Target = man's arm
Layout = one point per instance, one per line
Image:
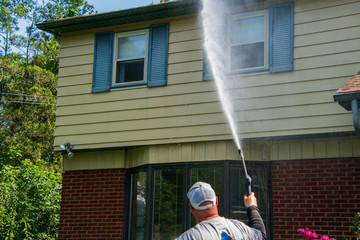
(255, 220)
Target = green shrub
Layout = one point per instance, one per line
(29, 200)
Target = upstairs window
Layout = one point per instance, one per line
(131, 58)
(248, 45)
(259, 41)
(130, 62)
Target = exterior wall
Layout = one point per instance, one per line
(183, 122)
(93, 205)
(187, 109)
(254, 150)
(321, 194)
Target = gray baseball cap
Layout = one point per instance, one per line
(201, 192)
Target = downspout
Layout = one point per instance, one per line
(355, 110)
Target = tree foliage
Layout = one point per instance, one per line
(28, 77)
(29, 199)
(27, 118)
(30, 170)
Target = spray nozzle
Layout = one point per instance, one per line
(247, 177)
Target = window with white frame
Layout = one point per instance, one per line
(248, 42)
(259, 41)
(130, 58)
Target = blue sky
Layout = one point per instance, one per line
(113, 5)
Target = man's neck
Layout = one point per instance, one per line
(208, 217)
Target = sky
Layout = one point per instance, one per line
(113, 5)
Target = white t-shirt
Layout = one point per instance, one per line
(220, 228)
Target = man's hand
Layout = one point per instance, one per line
(250, 200)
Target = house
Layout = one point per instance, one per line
(138, 105)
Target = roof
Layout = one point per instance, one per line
(131, 15)
(350, 91)
(353, 85)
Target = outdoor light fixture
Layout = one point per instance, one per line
(67, 147)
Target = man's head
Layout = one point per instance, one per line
(201, 196)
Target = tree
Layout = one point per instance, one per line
(28, 79)
(27, 118)
(10, 13)
(30, 170)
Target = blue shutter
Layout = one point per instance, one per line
(281, 42)
(158, 55)
(103, 57)
(207, 73)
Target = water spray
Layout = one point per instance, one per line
(213, 12)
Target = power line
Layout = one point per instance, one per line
(27, 99)
(26, 95)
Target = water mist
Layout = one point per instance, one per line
(214, 15)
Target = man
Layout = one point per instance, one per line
(203, 206)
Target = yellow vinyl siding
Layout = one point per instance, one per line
(326, 55)
(264, 150)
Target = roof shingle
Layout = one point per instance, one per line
(353, 85)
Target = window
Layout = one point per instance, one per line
(131, 58)
(138, 205)
(259, 41)
(160, 210)
(168, 203)
(248, 42)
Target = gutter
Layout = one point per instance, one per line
(350, 101)
(125, 16)
(355, 110)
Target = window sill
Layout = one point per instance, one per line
(133, 85)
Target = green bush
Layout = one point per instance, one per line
(355, 227)
(29, 199)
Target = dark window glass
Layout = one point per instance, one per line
(138, 206)
(168, 204)
(132, 71)
(259, 182)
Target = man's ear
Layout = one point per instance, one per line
(217, 202)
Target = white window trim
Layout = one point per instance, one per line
(115, 60)
(264, 13)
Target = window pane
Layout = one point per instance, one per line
(259, 183)
(168, 203)
(213, 176)
(131, 46)
(247, 56)
(130, 71)
(248, 30)
(138, 206)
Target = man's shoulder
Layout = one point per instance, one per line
(190, 234)
(198, 231)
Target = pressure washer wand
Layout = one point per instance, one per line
(247, 177)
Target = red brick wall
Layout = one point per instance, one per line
(323, 195)
(93, 205)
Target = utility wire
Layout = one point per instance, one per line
(27, 99)
(25, 95)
